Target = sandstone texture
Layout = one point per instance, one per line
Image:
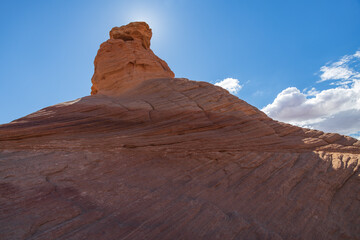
(170, 158)
(126, 60)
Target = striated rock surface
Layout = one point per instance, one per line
(170, 158)
(126, 60)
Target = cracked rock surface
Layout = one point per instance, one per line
(170, 158)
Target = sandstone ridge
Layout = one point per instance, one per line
(126, 59)
(150, 156)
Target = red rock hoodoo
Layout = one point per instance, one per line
(126, 59)
(149, 156)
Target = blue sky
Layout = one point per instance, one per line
(48, 47)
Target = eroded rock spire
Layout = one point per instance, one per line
(125, 60)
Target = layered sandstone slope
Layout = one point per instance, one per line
(148, 156)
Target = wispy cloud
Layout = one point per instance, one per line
(231, 84)
(336, 109)
(344, 70)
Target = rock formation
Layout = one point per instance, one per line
(126, 60)
(149, 156)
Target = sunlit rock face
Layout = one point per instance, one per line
(148, 157)
(126, 60)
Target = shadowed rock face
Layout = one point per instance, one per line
(132, 31)
(171, 158)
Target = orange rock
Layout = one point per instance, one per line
(132, 31)
(125, 60)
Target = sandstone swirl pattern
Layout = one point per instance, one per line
(149, 156)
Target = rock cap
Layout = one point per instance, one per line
(134, 30)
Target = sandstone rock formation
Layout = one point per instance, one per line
(170, 158)
(126, 59)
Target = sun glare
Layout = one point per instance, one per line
(151, 17)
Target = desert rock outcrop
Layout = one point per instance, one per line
(150, 156)
(126, 59)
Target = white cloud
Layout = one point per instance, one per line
(311, 92)
(231, 84)
(335, 72)
(332, 110)
(342, 70)
(357, 54)
(344, 122)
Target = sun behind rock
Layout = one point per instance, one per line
(125, 60)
